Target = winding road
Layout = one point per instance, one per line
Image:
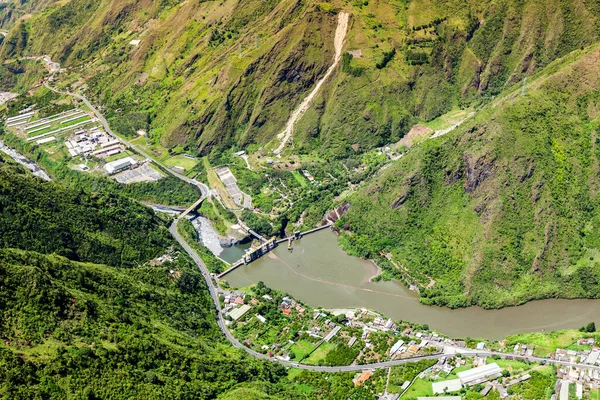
(214, 292)
(204, 190)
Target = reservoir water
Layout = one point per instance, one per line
(320, 273)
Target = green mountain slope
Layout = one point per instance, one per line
(123, 329)
(220, 74)
(49, 218)
(503, 210)
(74, 330)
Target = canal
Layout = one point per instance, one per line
(321, 274)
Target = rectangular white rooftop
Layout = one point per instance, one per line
(239, 312)
(564, 390)
(593, 357)
(479, 374)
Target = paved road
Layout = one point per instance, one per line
(215, 295)
(203, 188)
(347, 368)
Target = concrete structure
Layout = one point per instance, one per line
(592, 358)
(450, 386)
(480, 374)
(119, 165)
(396, 347)
(239, 312)
(259, 251)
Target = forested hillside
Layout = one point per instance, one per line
(122, 326)
(504, 209)
(101, 228)
(217, 74)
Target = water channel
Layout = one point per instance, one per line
(320, 273)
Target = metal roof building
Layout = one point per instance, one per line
(593, 357)
(118, 165)
(239, 312)
(480, 374)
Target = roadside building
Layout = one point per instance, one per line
(239, 312)
(396, 347)
(480, 374)
(593, 358)
(363, 377)
(119, 165)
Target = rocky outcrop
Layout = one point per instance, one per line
(477, 171)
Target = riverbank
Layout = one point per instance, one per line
(319, 273)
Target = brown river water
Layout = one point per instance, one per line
(321, 274)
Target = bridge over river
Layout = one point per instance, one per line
(266, 246)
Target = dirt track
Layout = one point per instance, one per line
(340, 35)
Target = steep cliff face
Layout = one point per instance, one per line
(506, 208)
(217, 73)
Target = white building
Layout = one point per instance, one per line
(593, 358)
(119, 165)
(480, 374)
(564, 390)
(239, 312)
(396, 347)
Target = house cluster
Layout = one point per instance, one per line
(523, 350)
(288, 304)
(235, 306)
(581, 379)
(92, 142)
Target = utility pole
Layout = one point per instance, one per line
(524, 86)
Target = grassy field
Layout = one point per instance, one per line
(420, 388)
(122, 154)
(320, 353)
(181, 161)
(546, 343)
(302, 348)
(300, 178)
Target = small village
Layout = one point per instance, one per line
(281, 327)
